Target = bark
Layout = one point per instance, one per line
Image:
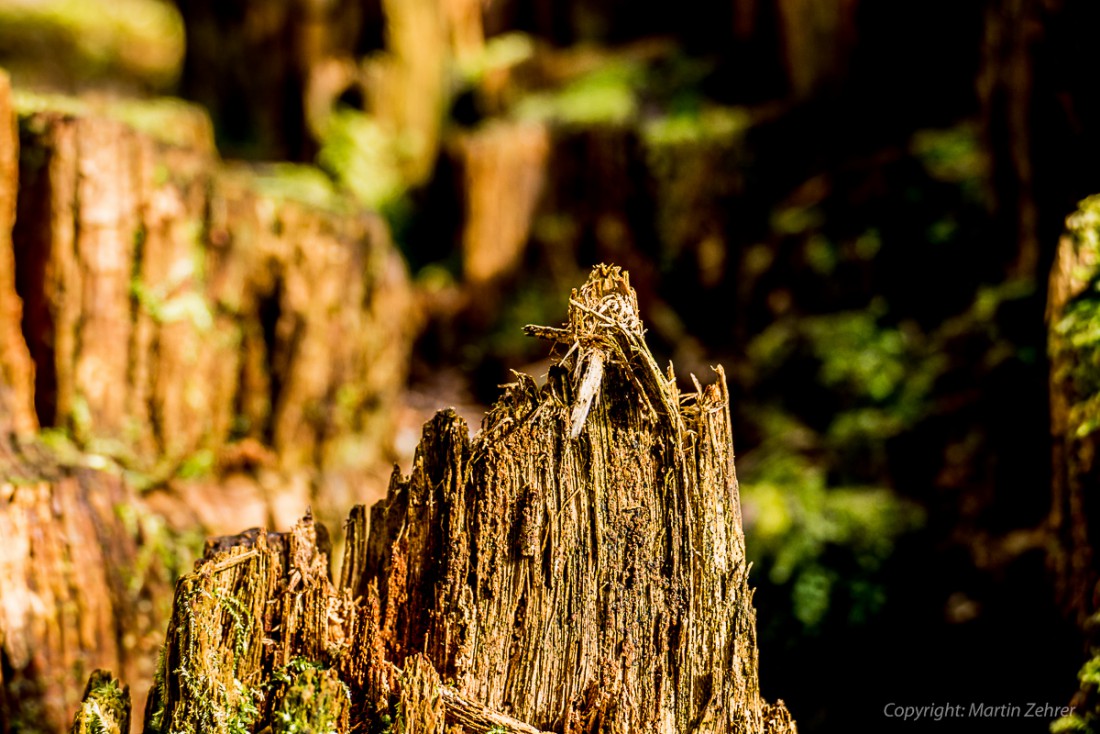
(1005, 86)
(16, 368)
(577, 566)
(81, 584)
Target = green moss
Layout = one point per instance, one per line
(307, 699)
(1084, 226)
(307, 185)
(212, 695)
(105, 708)
(500, 52)
(78, 41)
(1086, 717)
(189, 305)
(607, 95)
(711, 125)
(165, 119)
(198, 465)
(59, 443)
(1079, 348)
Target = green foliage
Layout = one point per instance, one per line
(500, 52)
(857, 357)
(816, 539)
(308, 699)
(1079, 333)
(880, 375)
(821, 518)
(711, 125)
(955, 155)
(364, 158)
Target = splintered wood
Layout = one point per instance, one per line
(556, 572)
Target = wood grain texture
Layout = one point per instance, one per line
(588, 584)
(519, 581)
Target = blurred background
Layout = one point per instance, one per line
(852, 205)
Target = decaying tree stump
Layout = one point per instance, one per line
(577, 566)
(190, 319)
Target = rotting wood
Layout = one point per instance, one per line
(634, 613)
(522, 580)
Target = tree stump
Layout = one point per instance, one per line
(198, 341)
(191, 319)
(577, 566)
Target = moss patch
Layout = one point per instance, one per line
(87, 40)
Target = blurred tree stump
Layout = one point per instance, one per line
(217, 345)
(194, 320)
(577, 566)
